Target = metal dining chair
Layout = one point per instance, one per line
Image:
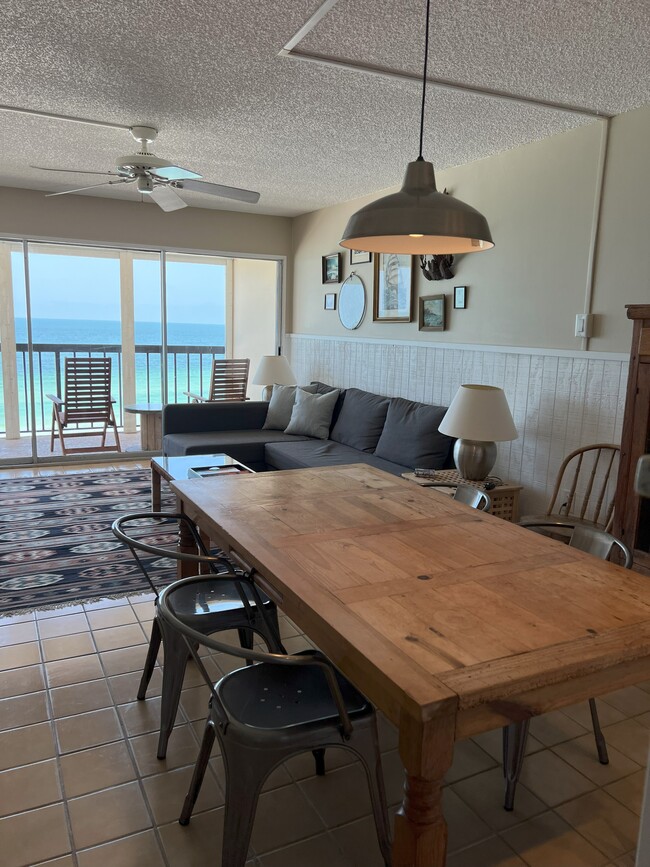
(473, 497)
(228, 600)
(599, 544)
(268, 712)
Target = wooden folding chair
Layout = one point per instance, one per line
(87, 400)
(228, 380)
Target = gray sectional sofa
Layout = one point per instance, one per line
(392, 434)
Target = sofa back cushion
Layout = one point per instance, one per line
(281, 404)
(312, 414)
(361, 420)
(411, 437)
(324, 388)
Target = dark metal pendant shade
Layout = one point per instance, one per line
(418, 220)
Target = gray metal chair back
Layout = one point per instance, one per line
(267, 712)
(229, 600)
(473, 497)
(600, 544)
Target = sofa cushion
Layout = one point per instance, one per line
(410, 435)
(324, 388)
(312, 414)
(322, 453)
(246, 446)
(280, 407)
(361, 420)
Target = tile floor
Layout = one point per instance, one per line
(80, 785)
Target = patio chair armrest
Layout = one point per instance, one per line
(55, 399)
(195, 396)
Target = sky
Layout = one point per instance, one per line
(79, 287)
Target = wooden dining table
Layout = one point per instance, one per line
(452, 621)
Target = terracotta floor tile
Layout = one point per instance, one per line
(630, 738)
(320, 851)
(140, 717)
(182, 750)
(484, 794)
(67, 646)
(18, 633)
(55, 627)
(553, 780)
(548, 840)
(46, 613)
(197, 844)
(607, 824)
(492, 852)
(88, 730)
(358, 842)
(119, 636)
(469, 759)
(581, 754)
(326, 795)
(492, 743)
(28, 787)
(124, 687)
(140, 850)
(96, 768)
(194, 702)
(465, 827)
(302, 766)
(80, 698)
(284, 816)
(31, 837)
(107, 815)
(76, 670)
(28, 744)
(103, 618)
(278, 778)
(554, 728)
(631, 701)
(629, 791)
(23, 710)
(19, 655)
(166, 794)
(105, 603)
(607, 714)
(144, 611)
(20, 617)
(20, 681)
(124, 660)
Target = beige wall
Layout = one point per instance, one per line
(109, 221)
(254, 306)
(539, 200)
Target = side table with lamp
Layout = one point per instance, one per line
(273, 370)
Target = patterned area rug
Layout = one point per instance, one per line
(56, 544)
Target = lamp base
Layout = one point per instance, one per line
(267, 391)
(474, 459)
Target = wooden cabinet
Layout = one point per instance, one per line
(632, 513)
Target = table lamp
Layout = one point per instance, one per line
(273, 370)
(480, 417)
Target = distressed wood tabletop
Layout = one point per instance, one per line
(450, 620)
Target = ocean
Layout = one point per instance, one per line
(184, 373)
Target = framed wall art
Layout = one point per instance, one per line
(432, 313)
(330, 301)
(393, 288)
(331, 268)
(460, 297)
(359, 257)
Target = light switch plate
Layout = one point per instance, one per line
(642, 478)
(584, 324)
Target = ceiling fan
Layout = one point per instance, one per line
(155, 177)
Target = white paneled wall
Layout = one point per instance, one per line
(559, 401)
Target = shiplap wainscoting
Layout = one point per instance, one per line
(559, 400)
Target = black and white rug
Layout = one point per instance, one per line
(56, 544)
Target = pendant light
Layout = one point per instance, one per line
(418, 220)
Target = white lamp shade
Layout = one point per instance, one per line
(274, 370)
(480, 413)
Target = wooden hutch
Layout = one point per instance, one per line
(632, 513)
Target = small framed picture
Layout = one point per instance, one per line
(332, 268)
(460, 297)
(359, 257)
(432, 313)
(393, 288)
(330, 301)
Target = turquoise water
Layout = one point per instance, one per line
(93, 335)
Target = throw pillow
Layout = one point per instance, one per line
(278, 414)
(361, 420)
(312, 414)
(410, 436)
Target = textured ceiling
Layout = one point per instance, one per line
(209, 77)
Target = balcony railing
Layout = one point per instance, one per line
(188, 369)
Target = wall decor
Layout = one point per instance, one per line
(460, 297)
(393, 288)
(331, 267)
(359, 257)
(352, 302)
(330, 301)
(437, 267)
(432, 313)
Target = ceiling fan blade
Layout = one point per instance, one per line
(70, 171)
(91, 187)
(175, 173)
(167, 199)
(219, 190)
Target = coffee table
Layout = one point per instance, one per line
(175, 469)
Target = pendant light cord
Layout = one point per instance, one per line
(424, 77)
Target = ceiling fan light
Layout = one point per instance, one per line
(418, 220)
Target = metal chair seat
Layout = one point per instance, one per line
(268, 696)
(218, 601)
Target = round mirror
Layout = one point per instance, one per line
(352, 302)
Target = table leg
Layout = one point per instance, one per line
(156, 479)
(186, 545)
(426, 749)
